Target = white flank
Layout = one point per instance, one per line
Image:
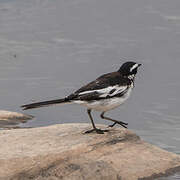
(106, 104)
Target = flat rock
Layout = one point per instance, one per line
(9, 118)
(65, 152)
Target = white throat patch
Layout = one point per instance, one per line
(134, 67)
(131, 77)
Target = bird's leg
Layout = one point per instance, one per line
(98, 131)
(112, 125)
(115, 121)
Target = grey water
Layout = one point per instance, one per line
(48, 49)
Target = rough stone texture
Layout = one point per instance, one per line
(9, 118)
(64, 152)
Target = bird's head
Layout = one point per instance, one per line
(129, 69)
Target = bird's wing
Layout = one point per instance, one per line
(106, 86)
(104, 93)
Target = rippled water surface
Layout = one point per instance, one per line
(48, 49)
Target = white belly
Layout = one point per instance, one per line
(105, 104)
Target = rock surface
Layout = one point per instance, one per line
(64, 152)
(9, 118)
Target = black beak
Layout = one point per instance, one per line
(139, 65)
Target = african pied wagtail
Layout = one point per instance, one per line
(105, 93)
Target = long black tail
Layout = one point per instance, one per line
(44, 103)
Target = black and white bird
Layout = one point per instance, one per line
(103, 94)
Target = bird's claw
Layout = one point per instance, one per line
(112, 125)
(123, 124)
(98, 131)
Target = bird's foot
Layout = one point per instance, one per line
(112, 125)
(98, 131)
(123, 124)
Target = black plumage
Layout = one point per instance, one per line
(105, 93)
